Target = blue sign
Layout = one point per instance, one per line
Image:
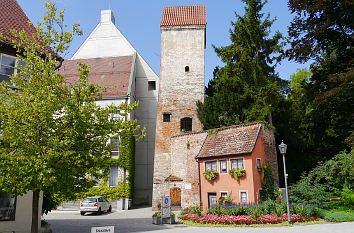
(166, 200)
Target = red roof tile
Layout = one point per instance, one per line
(112, 73)
(239, 139)
(13, 17)
(183, 15)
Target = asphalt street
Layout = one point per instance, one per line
(139, 220)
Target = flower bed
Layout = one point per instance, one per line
(244, 219)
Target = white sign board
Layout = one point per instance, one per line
(166, 207)
(109, 229)
(188, 186)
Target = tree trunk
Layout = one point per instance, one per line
(35, 203)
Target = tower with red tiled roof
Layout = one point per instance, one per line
(183, 32)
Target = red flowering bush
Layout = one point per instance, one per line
(244, 219)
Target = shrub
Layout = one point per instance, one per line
(338, 216)
(158, 214)
(337, 173)
(305, 191)
(191, 210)
(111, 193)
(346, 201)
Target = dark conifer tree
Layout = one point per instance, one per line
(247, 88)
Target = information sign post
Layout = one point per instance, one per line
(165, 208)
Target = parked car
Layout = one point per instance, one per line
(96, 205)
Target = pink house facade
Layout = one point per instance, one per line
(237, 147)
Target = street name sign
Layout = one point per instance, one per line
(108, 229)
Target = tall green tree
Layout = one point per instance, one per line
(322, 31)
(53, 135)
(247, 88)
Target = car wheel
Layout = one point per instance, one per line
(99, 211)
(82, 212)
(109, 209)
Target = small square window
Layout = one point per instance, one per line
(167, 117)
(223, 194)
(243, 197)
(259, 163)
(151, 85)
(186, 69)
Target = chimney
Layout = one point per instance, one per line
(107, 16)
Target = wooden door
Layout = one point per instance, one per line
(175, 194)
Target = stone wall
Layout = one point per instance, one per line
(183, 165)
(179, 90)
(271, 152)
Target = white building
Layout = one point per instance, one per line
(117, 65)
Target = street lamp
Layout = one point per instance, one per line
(282, 149)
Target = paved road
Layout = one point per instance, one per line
(139, 220)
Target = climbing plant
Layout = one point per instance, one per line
(127, 160)
(267, 182)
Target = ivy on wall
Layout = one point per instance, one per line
(268, 187)
(127, 160)
(123, 189)
(111, 193)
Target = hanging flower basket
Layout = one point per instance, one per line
(236, 173)
(211, 175)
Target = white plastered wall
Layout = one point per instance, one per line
(23, 215)
(107, 41)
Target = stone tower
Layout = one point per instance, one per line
(183, 32)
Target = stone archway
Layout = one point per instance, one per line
(175, 194)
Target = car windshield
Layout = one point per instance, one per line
(90, 200)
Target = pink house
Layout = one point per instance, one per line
(243, 147)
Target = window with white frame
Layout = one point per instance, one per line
(115, 147)
(7, 207)
(223, 194)
(223, 166)
(7, 67)
(210, 166)
(237, 164)
(243, 197)
(259, 163)
(113, 176)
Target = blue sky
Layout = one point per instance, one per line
(139, 21)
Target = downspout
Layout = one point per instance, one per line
(200, 188)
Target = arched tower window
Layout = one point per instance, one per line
(186, 124)
(186, 69)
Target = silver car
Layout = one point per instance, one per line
(96, 205)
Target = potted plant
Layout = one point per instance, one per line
(211, 175)
(236, 173)
(156, 218)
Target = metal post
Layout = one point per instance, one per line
(286, 189)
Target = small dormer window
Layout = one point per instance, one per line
(186, 69)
